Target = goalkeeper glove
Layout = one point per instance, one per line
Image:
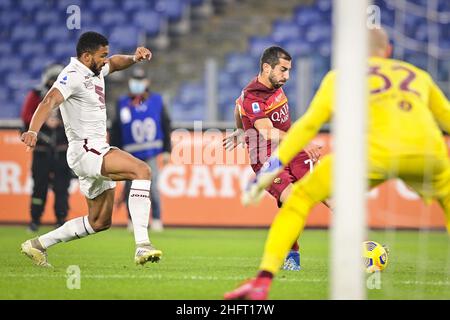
(255, 189)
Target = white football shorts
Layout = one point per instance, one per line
(85, 158)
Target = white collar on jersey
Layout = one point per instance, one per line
(82, 66)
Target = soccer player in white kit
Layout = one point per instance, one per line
(79, 92)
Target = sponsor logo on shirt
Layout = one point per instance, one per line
(281, 115)
(255, 107)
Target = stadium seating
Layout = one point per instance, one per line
(33, 34)
(308, 35)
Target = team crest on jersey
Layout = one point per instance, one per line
(89, 84)
(255, 107)
(277, 180)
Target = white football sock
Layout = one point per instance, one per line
(139, 204)
(73, 229)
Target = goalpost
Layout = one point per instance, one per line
(348, 227)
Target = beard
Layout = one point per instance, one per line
(276, 84)
(95, 69)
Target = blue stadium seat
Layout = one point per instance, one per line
(24, 32)
(98, 6)
(227, 95)
(307, 16)
(422, 3)
(323, 6)
(52, 35)
(318, 33)
(226, 79)
(18, 96)
(38, 63)
(187, 112)
(125, 38)
(149, 20)
(298, 48)
(387, 17)
(93, 27)
(32, 5)
(9, 18)
(9, 110)
(4, 94)
(12, 64)
(19, 80)
(109, 18)
(421, 32)
(196, 2)
(64, 4)
(172, 9)
(28, 49)
(6, 4)
(258, 44)
(419, 59)
(136, 5)
(285, 30)
(5, 49)
(239, 62)
(62, 51)
(444, 6)
(192, 93)
(44, 18)
(444, 35)
(443, 70)
(226, 108)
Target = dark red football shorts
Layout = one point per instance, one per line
(291, 173)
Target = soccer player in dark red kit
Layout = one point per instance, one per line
(262, 113)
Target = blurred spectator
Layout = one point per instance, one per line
(142, 127)
(49, 165)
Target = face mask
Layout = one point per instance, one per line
(137, 86)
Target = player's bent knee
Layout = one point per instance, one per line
(143, 171)
(101, 225)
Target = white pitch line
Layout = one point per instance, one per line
(201, 278)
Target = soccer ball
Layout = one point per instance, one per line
(375, 256)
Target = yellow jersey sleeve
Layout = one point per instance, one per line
(439, 106)
(306, 128)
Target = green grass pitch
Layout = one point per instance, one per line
(204, 263)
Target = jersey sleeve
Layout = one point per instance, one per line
(67, 84)
(253, 109)
(439, 106)
(105, 69)
(306, 128)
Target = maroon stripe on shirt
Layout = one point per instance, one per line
(91, 149)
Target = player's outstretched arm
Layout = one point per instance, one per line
(254, 192)
(52, 100)
(237, 137)
(439, 106)
(120, 62)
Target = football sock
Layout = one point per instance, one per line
(285, 229)
(291, 219)
(73, 229)
(139, 205)
(265, 274)
(295, 246)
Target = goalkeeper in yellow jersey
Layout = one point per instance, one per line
(407, 111)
